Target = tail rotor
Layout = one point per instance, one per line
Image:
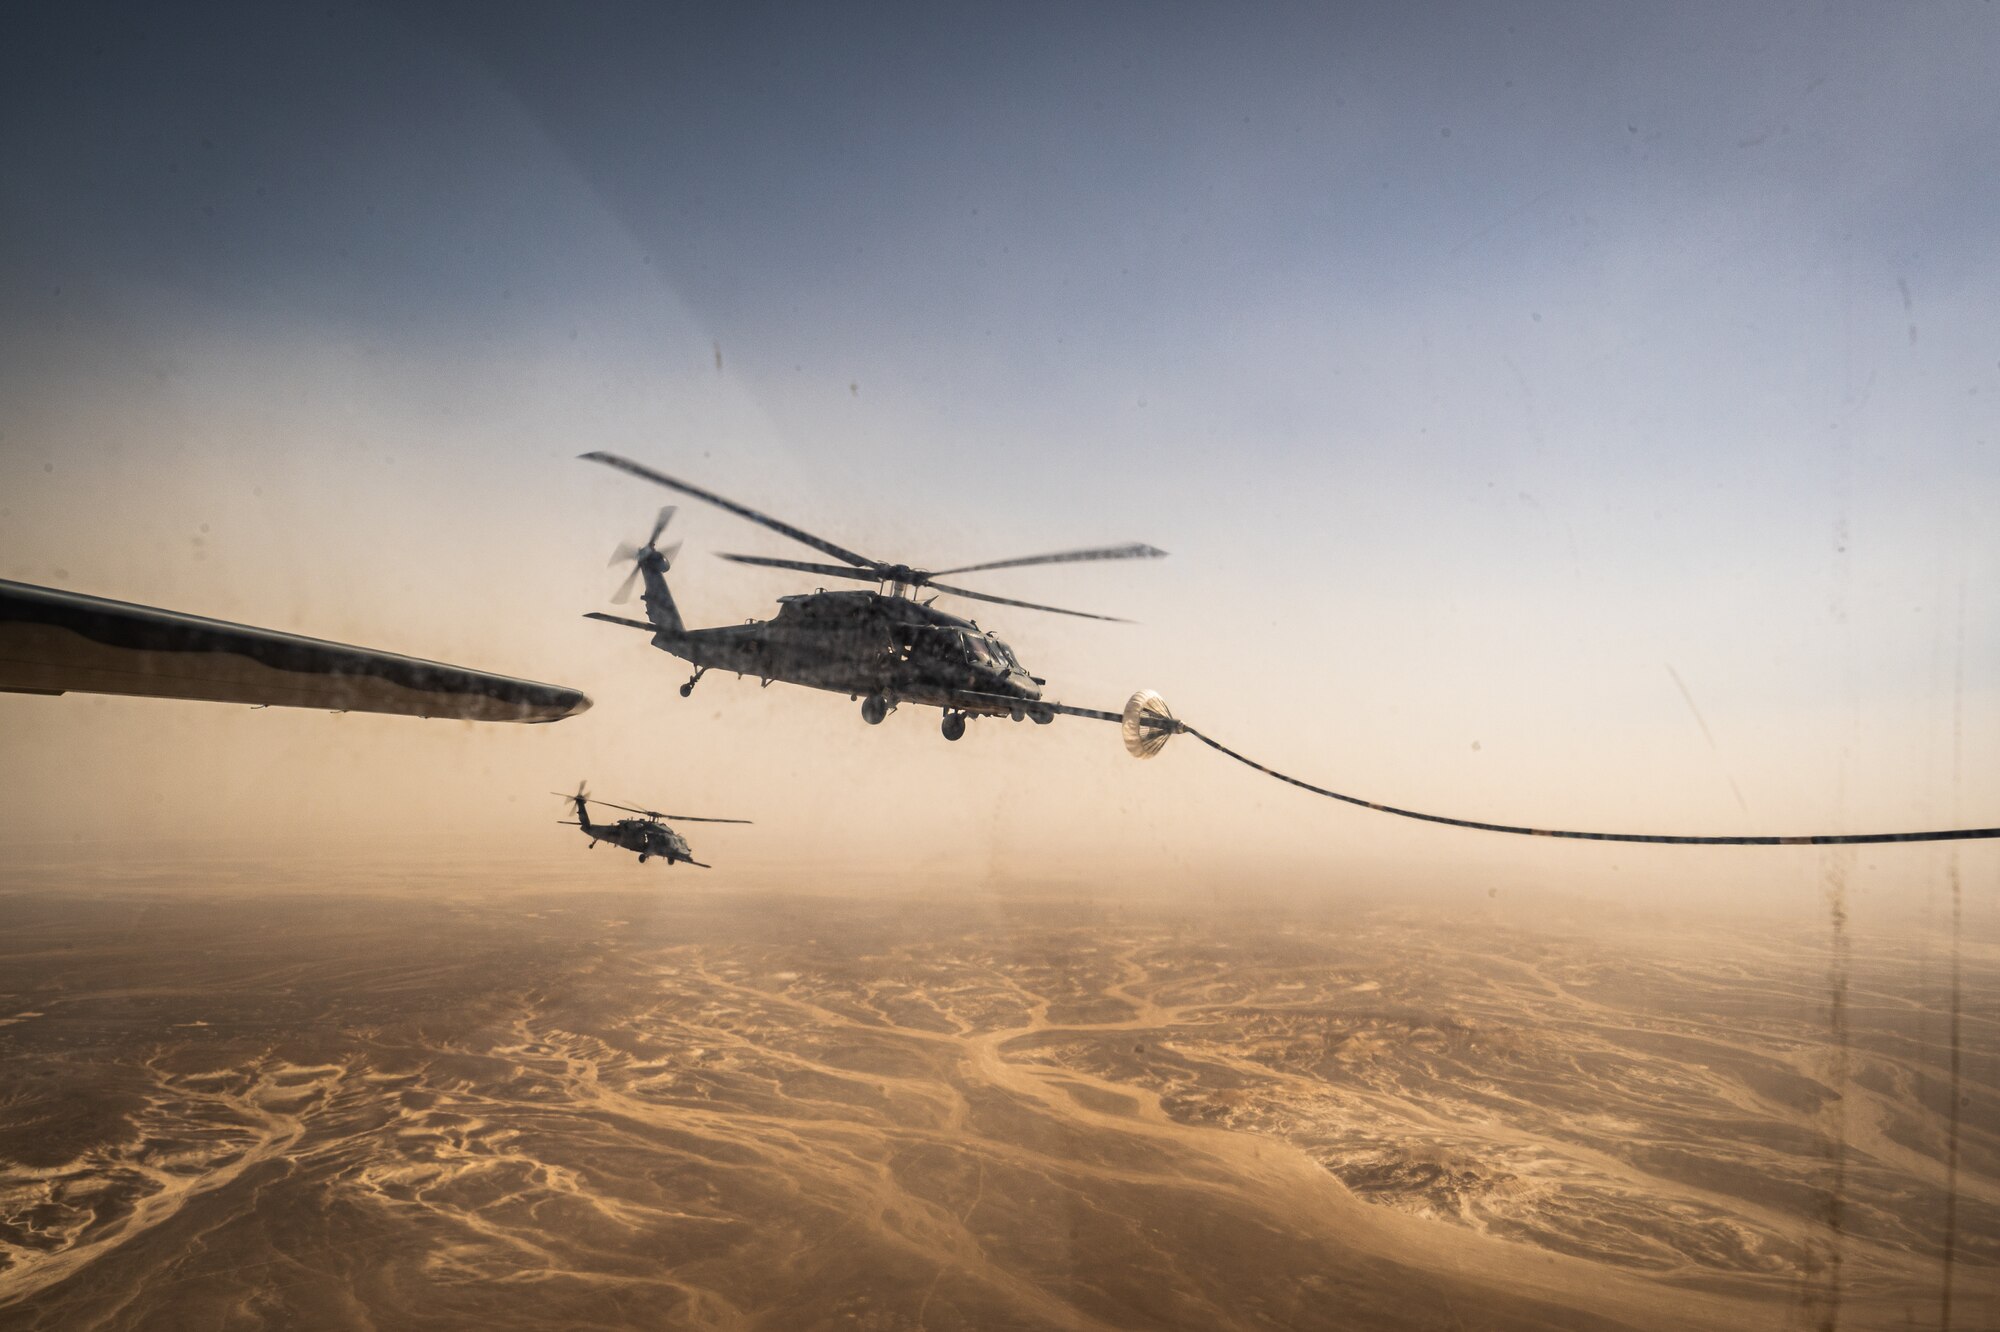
(578, 802)
(636, 555)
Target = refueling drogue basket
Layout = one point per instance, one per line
(1148, 724)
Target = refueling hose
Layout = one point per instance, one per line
(1148, 724)
(1819, 839)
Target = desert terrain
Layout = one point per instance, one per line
(677, 1107)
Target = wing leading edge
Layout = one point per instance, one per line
(55, 642)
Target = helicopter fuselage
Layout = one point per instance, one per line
(866, 644)
(652, 840)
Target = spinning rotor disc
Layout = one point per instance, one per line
(859, 567)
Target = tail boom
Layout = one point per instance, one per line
(661, 611)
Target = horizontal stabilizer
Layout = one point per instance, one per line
(618, 619)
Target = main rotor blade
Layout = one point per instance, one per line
(740, 510)
(1025, 605)
(629, 809)
(1138, 550)
(803, 566)
(655, 814)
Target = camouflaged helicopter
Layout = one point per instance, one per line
(648, 834)
(884, 648)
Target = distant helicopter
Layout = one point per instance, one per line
(883, 648)
(647, 834)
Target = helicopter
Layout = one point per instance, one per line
(884, 648)
(648, 834)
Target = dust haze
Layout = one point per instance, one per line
(1572, 416)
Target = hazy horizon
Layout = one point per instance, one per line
(1554, 417)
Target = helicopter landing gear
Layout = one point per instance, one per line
(954, 725)
(874, 708)
(693, 680)
(642, 857)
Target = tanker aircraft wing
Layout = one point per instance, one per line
(55, 642)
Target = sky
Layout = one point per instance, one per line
(1560, 414)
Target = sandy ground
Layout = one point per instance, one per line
(642, 1109)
